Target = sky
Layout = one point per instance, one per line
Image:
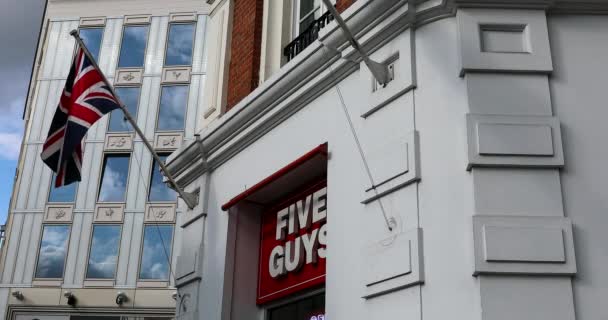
(19, 27)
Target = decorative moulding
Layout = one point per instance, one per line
(99, 283)
(119, 142)
(58, 213)
(168, 141)
(176, 75)
(514, 141)
(393, 264)
(523, 245)
(393, 165)
(504, 41)
(182, 17)
(137, 19)
(160, 212)
(111, 212)
(399, 62)
(128, 77)
(92, 22)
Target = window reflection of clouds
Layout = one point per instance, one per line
(104, 252)
(53, 247)
(173, 103)
(114, 180)
(62, 194)
(179, 46)
(92, 39)
(154, 264)
(133, 46)
(159, 191)
(130, 97)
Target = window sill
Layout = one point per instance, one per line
(152, 284)
(47, 283)
(98, 283)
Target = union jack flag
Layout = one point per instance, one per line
(85, 99)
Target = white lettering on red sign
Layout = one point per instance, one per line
(305, 248)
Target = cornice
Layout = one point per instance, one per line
(551, 6)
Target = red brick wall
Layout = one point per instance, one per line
(245, 50)
(341, 5)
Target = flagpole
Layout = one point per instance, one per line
(190, 199)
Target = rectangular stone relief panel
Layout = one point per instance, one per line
(176, 75)
(168, 141)
(109, 212)
(514, 141)
(137, 19)
(394, 263)
(394, 165)
(128, 77)
(160, 212)
(119, 142)
(523, 245)
(400, 71)
(58, 213)
(92, 22)
(504, 40)
(182, 17)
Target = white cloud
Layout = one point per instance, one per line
(10, 144)
(11, 129)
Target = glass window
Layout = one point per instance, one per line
(114, 178)
(305, 309)
(53, 249)
(159, 191)
(133, 47)
(156, 252)
(130, 97)
(104, 252)
(179, 45)
(310, 10)
(173, 102)
(92, 39)
(62, 194)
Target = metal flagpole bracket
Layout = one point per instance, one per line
(378, 70)
(189, 198)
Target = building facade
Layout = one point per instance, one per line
(471, 186)
(106, 248)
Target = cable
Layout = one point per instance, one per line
(387, 220)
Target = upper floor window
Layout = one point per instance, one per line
(52, 252)
(179, 44)
(307, 12)
(156, 252)
(103, 256)
(133, 47)
(130, 97)
(63, 194)
(172, 109)
(159, 191)
(114, 178)
(92, 39)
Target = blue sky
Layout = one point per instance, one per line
(15, 68)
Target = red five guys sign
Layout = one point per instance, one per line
(293, 245)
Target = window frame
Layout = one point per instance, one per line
(148, 201)
(122, 36)
(102, 171)
(67, 250)
(296, 20)
(160, 98)
(160, 282)
(50, 189)
(135, 116)
(103, 33)
(86, 270)
(194, 23)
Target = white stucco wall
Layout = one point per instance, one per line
(578, 86)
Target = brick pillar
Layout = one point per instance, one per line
(244, 69)
(341, 5)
